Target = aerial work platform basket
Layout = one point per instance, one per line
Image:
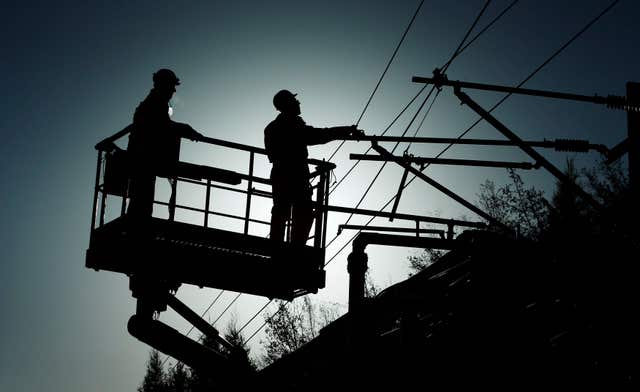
(175, 250)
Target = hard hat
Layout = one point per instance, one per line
(283, 97)
(165, 76)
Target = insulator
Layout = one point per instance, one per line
(572, 145)
(621, 103)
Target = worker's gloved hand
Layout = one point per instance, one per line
(195, 135)
(187, 131)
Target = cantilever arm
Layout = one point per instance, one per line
(386, 154)
(611, 101)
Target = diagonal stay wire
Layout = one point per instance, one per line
(263, 324)
(433, 88)
(473, 25)
(446, 65)
(227, 308)
(393, 56)
(456, 54)
(424, 117)
(254, 316)
(207, 309)
(472, 40)
(554, 55)
(382, 134)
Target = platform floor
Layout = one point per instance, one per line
(178, 252)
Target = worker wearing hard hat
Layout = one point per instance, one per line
(286, 139)
(154, 143)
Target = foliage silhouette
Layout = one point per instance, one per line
(155, 378)
(294, 324)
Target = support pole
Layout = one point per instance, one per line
(357, 268)
(357, 260)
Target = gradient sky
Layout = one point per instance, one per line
(73, 72)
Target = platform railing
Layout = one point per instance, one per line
(112, 180)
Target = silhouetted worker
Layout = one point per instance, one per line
(154, 143)
(286, 139)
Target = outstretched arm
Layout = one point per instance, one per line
(341, 132)
(324, 135)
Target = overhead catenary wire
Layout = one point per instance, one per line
(375, 89)
(455, 54)
(384, 164)
(227, 308)
(264, 323)
(358, 122)
(473, 125)
(503, 99)
(462, 49)
(466, 131)
(254, 316)
(433, 88)
(333, 188)
(531, 75)
(426, 113)
(207, 309)
(472, 40)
